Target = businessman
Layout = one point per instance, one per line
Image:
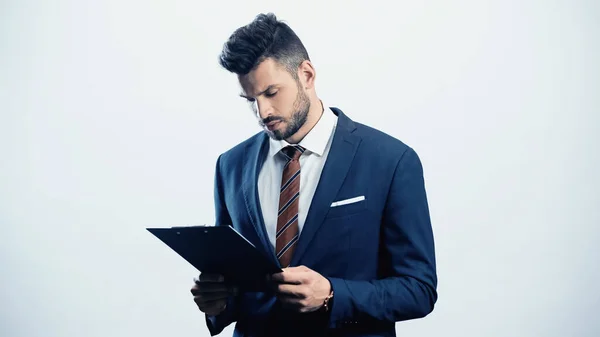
(339, 206)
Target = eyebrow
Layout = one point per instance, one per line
(270, 87)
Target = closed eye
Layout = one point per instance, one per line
(267, 93)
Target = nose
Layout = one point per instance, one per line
(262, 108)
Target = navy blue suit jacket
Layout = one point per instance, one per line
(378, 253)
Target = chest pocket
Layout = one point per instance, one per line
(347, 206)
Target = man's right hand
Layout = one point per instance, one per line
(211, 293)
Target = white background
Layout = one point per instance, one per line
(112, 114)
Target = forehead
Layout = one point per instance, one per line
(267, 73)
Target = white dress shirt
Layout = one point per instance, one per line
(317, 143)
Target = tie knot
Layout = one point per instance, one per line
(293, 152)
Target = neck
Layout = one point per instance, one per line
(314, 115)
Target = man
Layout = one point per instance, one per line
(340, 206)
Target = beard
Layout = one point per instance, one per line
(295, 122)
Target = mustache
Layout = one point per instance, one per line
(270, 119)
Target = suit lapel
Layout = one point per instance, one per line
(254, 157)
(339, 160)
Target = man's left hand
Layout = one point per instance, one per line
(301, 288)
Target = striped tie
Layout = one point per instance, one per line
(287, 218)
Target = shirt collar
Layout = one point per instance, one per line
(316, 140)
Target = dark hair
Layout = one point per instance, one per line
(265, 37)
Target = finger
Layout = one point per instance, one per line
(210, 288)
(277, 277)
(209, 297)
(209, 304)
(196, 289)
(211, 307)
(297, 269)
(290, 291)
(207, 277)
(288, 276)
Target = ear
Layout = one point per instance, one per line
(307, 74)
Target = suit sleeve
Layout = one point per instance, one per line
(217, 323)
(407, 287)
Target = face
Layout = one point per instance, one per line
(278, 100)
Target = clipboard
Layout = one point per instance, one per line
(221, 250)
